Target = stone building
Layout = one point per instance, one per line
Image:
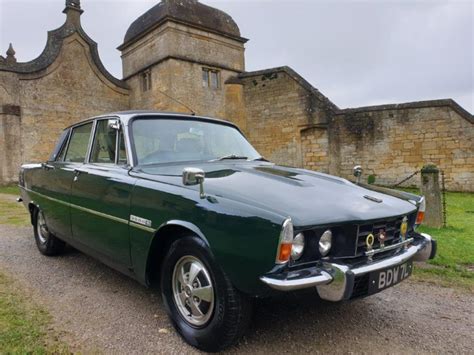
(184, 56)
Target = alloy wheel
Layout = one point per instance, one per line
(42, 229)
(193, 291)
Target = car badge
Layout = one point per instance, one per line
(369, 241)
(404, 228)
(374, 199)
(382, 237)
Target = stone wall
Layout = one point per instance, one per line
(68, 91)
(10, 135)
(67, 83)
(291, 123)
(315, 148)
(393, 141)
(279, 104)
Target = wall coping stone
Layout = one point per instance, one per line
(295, 76)
(386, 107)
(416, 104)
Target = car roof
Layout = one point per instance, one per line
(127, 116)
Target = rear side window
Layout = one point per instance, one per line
(60, 147)
(78, 144)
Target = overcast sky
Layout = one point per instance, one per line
(357, 53)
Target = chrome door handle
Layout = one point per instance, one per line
(47, 166)
(80, 171)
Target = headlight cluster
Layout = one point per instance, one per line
(421, 211)
(325, 243)
(292, 246)
(298, 246)
(286, 242)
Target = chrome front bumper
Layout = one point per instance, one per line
(335, 282)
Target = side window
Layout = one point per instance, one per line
(59, 149)
(210, 78)
(146, 80)
(106, 141)
(78, 144)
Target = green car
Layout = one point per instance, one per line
(186, 203)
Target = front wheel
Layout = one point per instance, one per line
(46, 242)
(204, 307)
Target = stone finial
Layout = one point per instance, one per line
(74, 3)
(10, 54)
(181, 2)
(73, 12)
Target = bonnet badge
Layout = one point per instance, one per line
(373, 199)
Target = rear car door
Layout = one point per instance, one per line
(100, 196)
(55, 178)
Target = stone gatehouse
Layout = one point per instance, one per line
(184, 56)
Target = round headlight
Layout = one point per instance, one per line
(325, 243)
(298, 246)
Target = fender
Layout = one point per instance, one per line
(158, 247)
(192, 227)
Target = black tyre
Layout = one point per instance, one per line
(47, 243)
(204, 307)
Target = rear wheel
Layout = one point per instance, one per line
(204, 307)
(46, 242)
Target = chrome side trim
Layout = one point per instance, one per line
(290, 285)
(97, 213)
(46, 197)
(100, 214)
(388, 248)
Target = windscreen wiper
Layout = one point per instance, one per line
(260, 159)
(232, 157)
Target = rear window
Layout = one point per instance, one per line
(78, 144)
(60, 146)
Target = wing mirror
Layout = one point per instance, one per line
(357, 171)
(194, 176)
(114, 125)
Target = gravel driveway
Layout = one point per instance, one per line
(100, 310)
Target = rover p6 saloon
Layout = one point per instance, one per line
(187, 204)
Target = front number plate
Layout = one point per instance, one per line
(382, 279)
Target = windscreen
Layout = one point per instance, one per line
(178, 140)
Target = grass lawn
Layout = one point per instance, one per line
(454, 263)
(12, 212)
(24, 325)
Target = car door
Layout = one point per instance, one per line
(100, 196)
(53, 182)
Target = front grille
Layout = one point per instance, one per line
(391, 228)
(348, 242)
